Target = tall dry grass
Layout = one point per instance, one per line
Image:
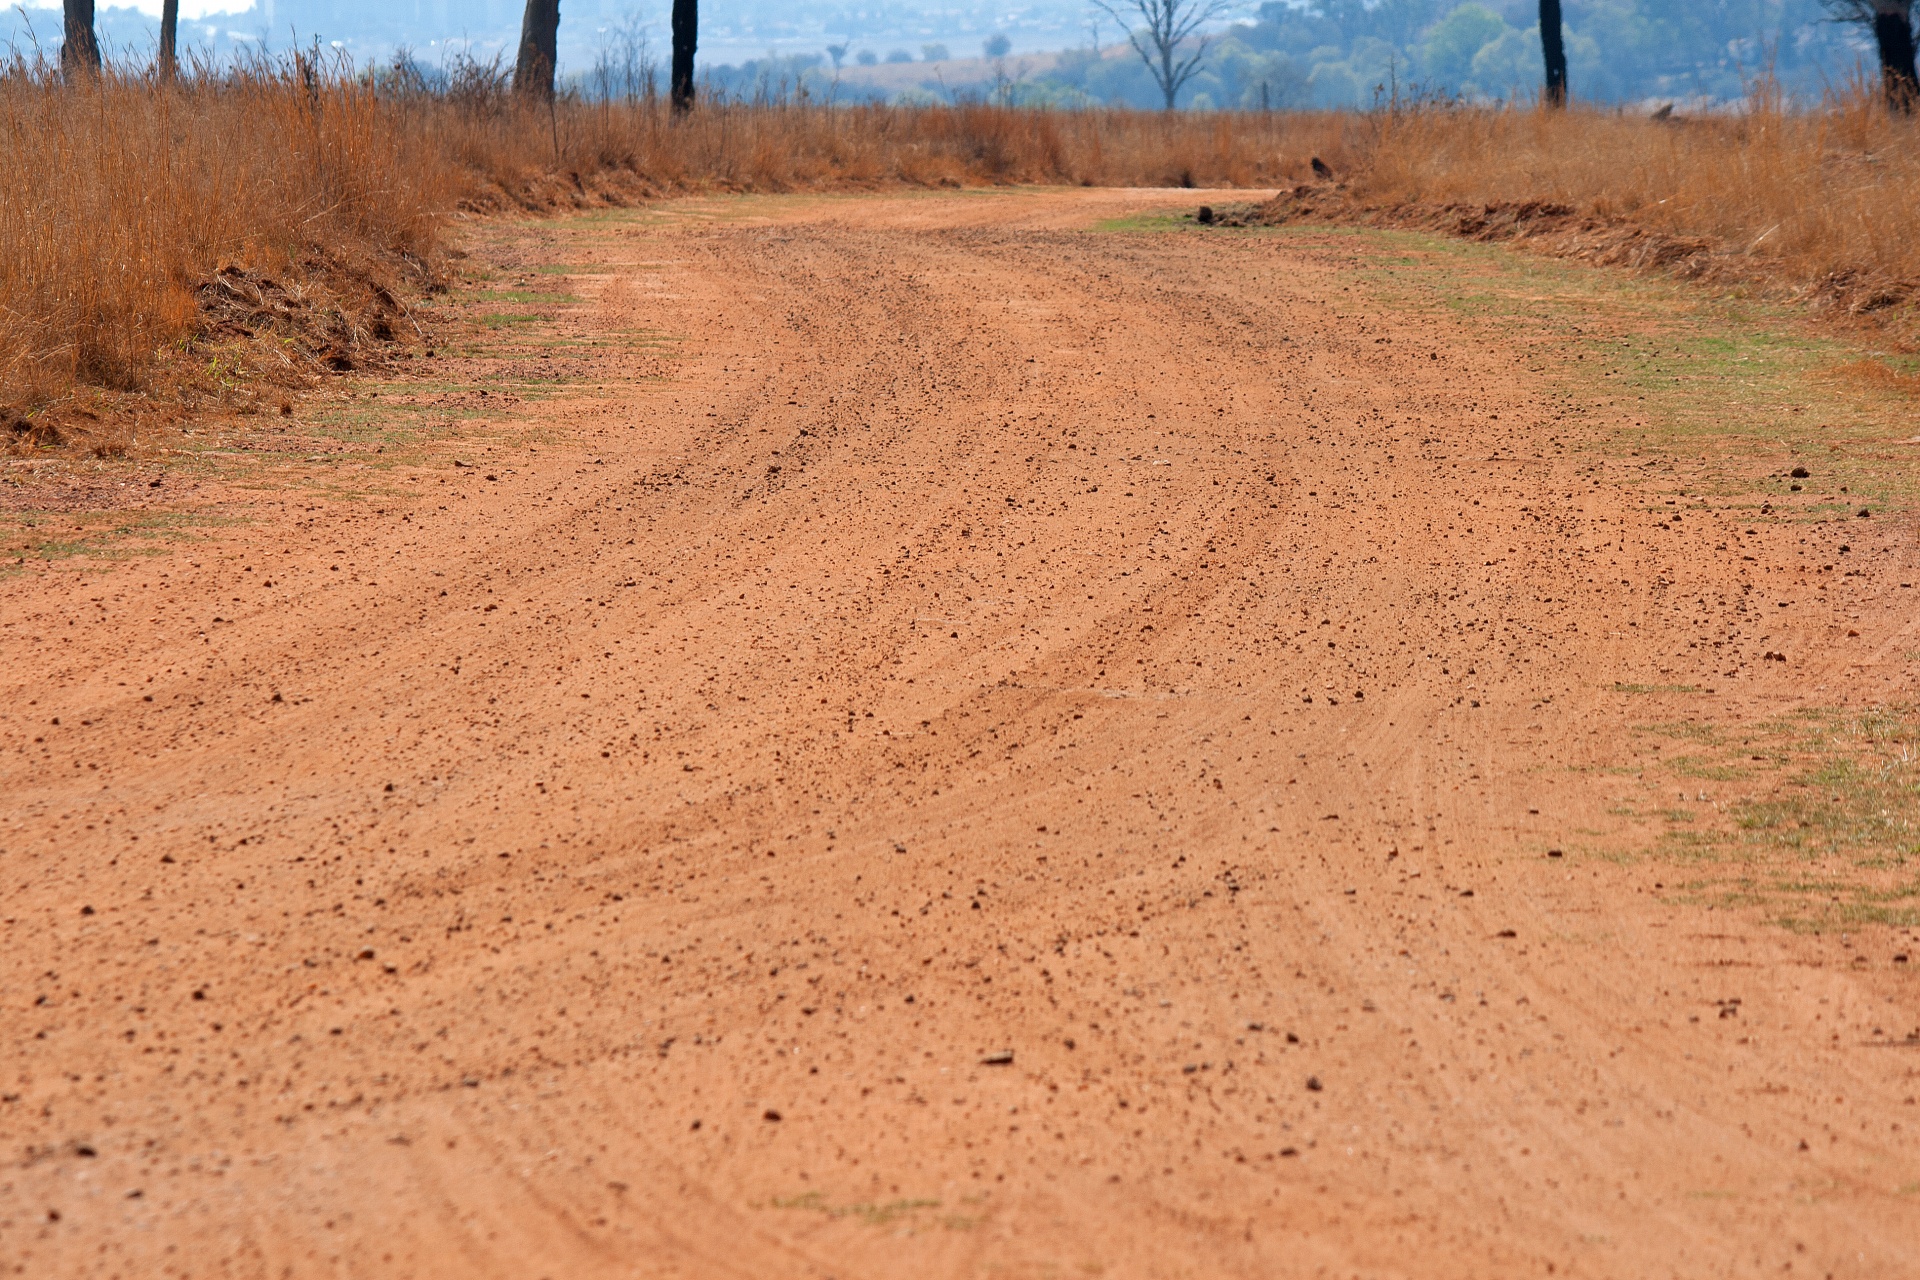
(120, 196)
(1806, 197)
(779, 147)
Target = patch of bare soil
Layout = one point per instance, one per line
(1006, 751)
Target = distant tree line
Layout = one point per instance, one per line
(1347, 53)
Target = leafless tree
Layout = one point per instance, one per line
(169, 38)
(1168, 39)
(539, 49)
(1892, 23)
(80, 48)
(686, 34)
(1553, 49)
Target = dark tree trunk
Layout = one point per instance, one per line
(686, 33)
(539, 49)
(169, 33)
(1893, 32)
(79, 50)
(1553, 49)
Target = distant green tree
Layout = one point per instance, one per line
(1169, 39)
(1446, 55)
(997, 45)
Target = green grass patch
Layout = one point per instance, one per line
(32, 538)
(873, 1215)
(525, 297)
(1147, 222)
(1695, 393)
(1816, 823)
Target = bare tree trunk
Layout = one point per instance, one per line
(80, 50)
(1893, 32)
(1553, 49)
(686, 33)
(169, 33)
(539, 49)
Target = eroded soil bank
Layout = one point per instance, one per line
(951, 735)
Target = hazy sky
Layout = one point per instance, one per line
(188, 8)
(731, 30)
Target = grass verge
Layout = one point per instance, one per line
(1812, 819)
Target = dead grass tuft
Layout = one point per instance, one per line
(1879, 375)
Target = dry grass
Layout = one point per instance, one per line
(796, 147)
(124, 199)
(1821, 201)
(283, 212)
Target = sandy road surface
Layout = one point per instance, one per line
(1145, 655)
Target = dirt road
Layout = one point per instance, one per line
(1000, 749)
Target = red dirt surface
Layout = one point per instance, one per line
(1020, 752)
